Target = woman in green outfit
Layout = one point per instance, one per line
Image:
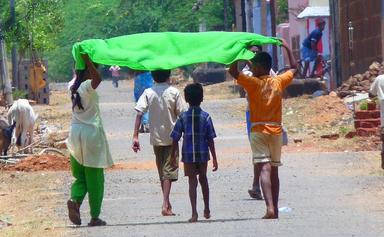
(87, 145)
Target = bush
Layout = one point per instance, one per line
(19, 94)
(363, 105)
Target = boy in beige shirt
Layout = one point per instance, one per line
(164, 104)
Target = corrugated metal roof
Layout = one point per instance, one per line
(314, 12)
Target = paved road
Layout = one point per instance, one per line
(329, 194)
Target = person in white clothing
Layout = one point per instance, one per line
(377, 89)
(164, 104)
(88, 146)
(115, 73)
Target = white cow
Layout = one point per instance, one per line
(22, 113)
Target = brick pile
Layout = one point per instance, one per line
(361, 82)
(367, 122)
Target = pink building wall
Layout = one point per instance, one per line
(295, 7)
(297, 30)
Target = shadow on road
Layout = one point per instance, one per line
(168, 223)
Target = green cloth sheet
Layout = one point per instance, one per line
(168, 50)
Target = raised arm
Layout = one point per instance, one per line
(233, 70)
(92, 70)
(292, 61)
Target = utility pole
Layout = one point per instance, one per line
(5, 83)
(273, 31)
(15, 78)
(225, 4)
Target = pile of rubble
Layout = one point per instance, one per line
(51, 135)
(361, 82)
(39, 163)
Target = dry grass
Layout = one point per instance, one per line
(58, 97)
(28, 201)
(58, 112)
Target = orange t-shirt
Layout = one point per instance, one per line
(265, 100)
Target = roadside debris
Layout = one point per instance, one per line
(40, 163)
(334, 136)
(297, 140)
(4, 224)
(361, 82)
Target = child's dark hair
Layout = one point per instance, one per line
(263, 59)
(161, 75)
(194, 94)
(75, 96)
(259, 48)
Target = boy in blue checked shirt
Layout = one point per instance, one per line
(198, 133)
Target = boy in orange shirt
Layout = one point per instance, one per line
(265, 103)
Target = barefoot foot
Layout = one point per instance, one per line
(193, 219)
(167, 212)
(270, 214)
(170, 210)
(207, 214)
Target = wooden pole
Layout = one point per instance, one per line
(6, 84)
(15, 78)
(225, 4)
(273, 31)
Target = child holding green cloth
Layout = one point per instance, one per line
(87, 144)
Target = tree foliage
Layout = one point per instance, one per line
(282, 6)
(133, 16)
(110, 18)
(37, 25)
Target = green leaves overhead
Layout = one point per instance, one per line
(37, 25)
(55, 25)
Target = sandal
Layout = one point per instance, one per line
(97, 222)
(74, 212)
(256, 194)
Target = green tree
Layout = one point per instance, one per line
(283, 16)
(135, 16)
(37, 25)
(110, 18)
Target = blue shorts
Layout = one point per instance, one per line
(308, 55)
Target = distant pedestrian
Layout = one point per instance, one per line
(310, 51)
(265, 103)
(87, 145)
(115, 73)
(164, 104)
(142, 81)
(377, 89)
(196, 128)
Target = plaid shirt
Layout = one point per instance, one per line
(197, 129)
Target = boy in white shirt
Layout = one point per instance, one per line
(164, 104)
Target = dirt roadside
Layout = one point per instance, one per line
(29, 201)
